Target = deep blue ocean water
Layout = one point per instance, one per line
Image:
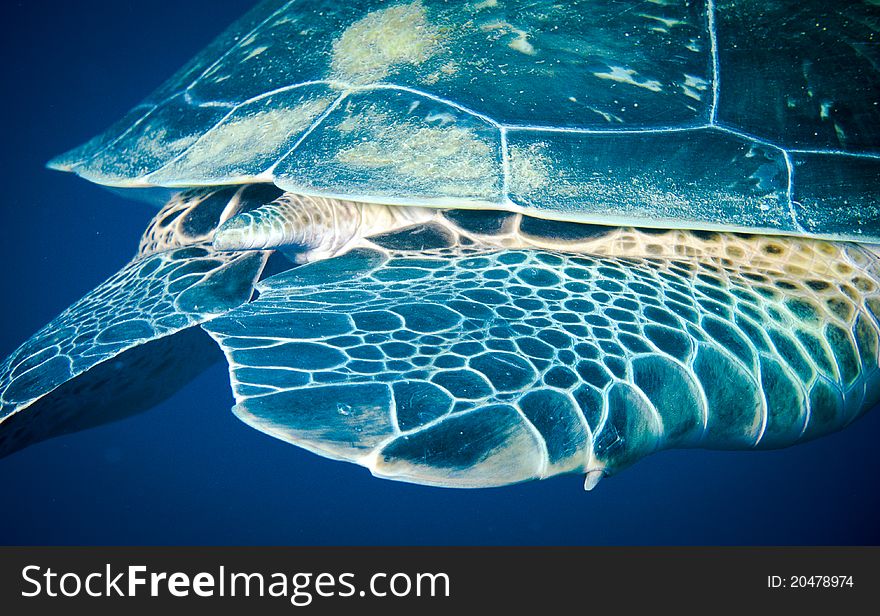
(189, 472)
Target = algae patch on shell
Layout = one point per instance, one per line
(519, 40)
(529, 167)
(371, 47)
(240, 144)
(450, 158)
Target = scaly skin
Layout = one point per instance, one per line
(556, 355)
(467, 349)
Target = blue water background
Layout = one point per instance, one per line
(188, 472)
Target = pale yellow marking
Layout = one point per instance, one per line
(255, 52)
(448, 69)
(442, 118)
(241, 140)
(609, 117)
(371, 47)
(156, 144)
(522, 45)
(669, 23)
(447, 158)
(627, 75)
(285, 19)
(520, 41)
(529, 167)
(486, 4)
(694, 86)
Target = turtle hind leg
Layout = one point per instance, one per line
(128, 329)
(192, 216)
(468, 366)
(128, 384)
(313, 228)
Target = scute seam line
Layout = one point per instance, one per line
(713, 43)
(330, 109)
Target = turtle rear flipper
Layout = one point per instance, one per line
(131, 382)
(127, 344)
(465, 366)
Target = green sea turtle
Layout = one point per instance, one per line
(476, 243)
